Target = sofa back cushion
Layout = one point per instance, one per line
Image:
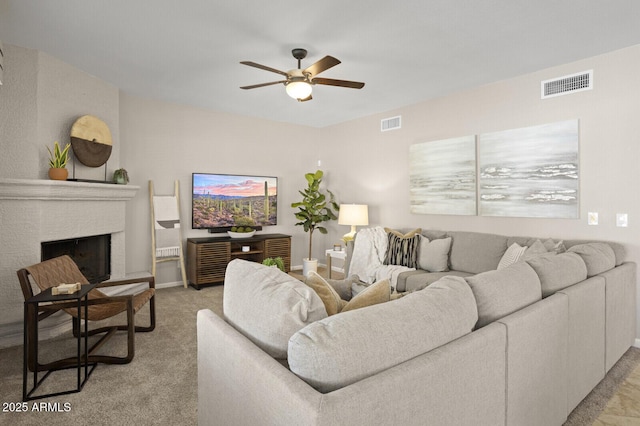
(598, 257)
(348, 347)
(476, 252)
(619, 250)
(558, 271)
(500, 293)
(267, 305)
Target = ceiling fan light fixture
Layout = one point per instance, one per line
(298, 89)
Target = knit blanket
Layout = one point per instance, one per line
(367, 261)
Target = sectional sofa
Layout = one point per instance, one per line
(475, 345)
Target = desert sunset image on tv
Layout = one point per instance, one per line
(233, 200)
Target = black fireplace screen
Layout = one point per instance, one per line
(91, 254)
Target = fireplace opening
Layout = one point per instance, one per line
(91, 254)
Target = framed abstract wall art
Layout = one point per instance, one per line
(530, 172)
(442, 176)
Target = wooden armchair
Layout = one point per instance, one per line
(63, 269)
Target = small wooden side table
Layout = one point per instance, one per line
(81, 297)
(338, 254)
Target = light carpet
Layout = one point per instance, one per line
(159, 387)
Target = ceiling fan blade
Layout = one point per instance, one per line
(341, 83)
(264, 67)
(255, 86)
(322, 65)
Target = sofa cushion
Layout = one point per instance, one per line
(419, 279)
(402, 249)
(558, 271)
(433, 256)
(598, 257)
(475, 252)
(499, 293)
(267, 305)
(343, 349)
(618, 249)
(332, 301)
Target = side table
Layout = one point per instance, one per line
(338, 254)
(32, 308)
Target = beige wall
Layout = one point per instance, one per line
(39, 102)
(164, 142)
(373, 167)
(40, 99)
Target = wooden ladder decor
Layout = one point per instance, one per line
(166, 232)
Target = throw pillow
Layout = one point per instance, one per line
(512, 255)
(343, 287)
(330, 298)
(433, 256)
(402, 249)
(535, 249)
(401, 235)
(556, 247)
(378, 292)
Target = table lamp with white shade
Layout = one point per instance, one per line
(354, 215)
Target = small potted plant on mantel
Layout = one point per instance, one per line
(313, 210)
(58, 159)
(121, 177)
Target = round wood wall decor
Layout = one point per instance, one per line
(91, 141)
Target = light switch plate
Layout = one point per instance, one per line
(592, 218)
(622, 220)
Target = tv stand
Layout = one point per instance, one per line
(207, 258)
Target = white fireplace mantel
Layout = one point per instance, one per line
(33, 211)
(37, 189)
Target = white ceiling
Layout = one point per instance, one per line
(406, 51)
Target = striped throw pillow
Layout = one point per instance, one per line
(402, 249)
(512, 255)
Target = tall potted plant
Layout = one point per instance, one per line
(313, 210)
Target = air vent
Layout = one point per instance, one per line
(1, 63)
(567, 84)
(392, 123)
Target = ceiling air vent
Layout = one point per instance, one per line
(1, 63)
(568, 84)
(392, 123)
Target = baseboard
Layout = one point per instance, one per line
(333, 268)
(170, 284)
(637, 344)
(13, 334)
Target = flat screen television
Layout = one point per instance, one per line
(221, 201)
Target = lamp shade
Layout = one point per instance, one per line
(353, 214)
(298, 89)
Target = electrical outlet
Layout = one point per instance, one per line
(592, 218)
(622, 220)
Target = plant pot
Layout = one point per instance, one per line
(58, 174)
(309, 265)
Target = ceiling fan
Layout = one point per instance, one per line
(299, 81)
